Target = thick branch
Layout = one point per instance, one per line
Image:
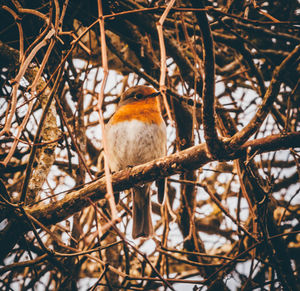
(214, 144)
(189, 159)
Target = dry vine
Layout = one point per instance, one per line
(229, 75)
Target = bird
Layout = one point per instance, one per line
(136, 134)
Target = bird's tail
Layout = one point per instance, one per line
(161, 186)
(141, 212)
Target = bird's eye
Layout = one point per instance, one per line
(138, 96)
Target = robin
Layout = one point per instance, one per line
(136, 134)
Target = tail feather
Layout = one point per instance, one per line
(141, 212)
(161, 186)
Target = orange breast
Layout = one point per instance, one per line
(143, 110)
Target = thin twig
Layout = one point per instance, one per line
(18, 78)
(270, 96)
(110, 192)
(163, 58)
(21, 34)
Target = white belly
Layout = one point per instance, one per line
(133, 142)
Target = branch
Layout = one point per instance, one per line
(214, 144)
(186, 160)
(19, 76)
(163, 58)
(110, 194)
(270, 96)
